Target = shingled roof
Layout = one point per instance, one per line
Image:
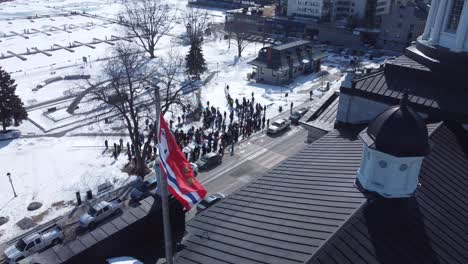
(284, 216)
(307, 210)
(285, 56)
(430, 228)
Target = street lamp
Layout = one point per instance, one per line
(11, 182)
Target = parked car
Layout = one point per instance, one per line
(33, 243)
(123, 260)
(99, 212)
(297, 115)
(209, 160)
(142, 189)
(194, 168)
(278, 126)
(209, 201)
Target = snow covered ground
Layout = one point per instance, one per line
(51, 169)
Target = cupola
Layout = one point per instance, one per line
(395, 144)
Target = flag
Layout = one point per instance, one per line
(181, 180)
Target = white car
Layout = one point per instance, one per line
(278, 126)
(123, 260)
(33, 243)
(99, 212)
(194, 168)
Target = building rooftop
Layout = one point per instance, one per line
(291, 44)
(429, 228)
(308, 210)
(441, 96)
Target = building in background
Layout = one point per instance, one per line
(281, 64)
(263, 22)
(402, 25)
(316, 10)
(359, 12)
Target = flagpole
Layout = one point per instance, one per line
(163, 189)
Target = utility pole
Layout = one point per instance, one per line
(163, 189)
(11, 182)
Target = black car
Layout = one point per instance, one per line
(209, 160)
(142, 189)
(296, 115)
(209, 201)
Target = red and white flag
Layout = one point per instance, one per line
(181, 180)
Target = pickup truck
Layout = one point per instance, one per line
(33, 243)
(99, 212)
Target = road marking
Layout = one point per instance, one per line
(271, 160)
(250, 156)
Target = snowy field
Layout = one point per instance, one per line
(53, 163)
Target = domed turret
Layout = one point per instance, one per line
(395, 144)
(398, 131)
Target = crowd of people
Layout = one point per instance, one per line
(219, 131)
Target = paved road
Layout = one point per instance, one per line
(252, 158)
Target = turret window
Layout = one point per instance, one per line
(454, 16)
(403, 167)
(383, 164)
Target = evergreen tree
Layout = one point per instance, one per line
(194, 61)
(12, 111)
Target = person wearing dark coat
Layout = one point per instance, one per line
(215, 145)
(106, 144)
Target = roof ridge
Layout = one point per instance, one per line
(365, 76)
(438, 126)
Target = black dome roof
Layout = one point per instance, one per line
(398, 131)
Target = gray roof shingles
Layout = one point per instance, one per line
(430, 228)
(307, 210)
(285, 215)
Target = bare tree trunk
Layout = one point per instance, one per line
(149, 21)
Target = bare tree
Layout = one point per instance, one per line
(148, 20)
(196, 22)
(127, 93)
(239, 35)
(128, 75)
(240, 39)
(172, 82)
